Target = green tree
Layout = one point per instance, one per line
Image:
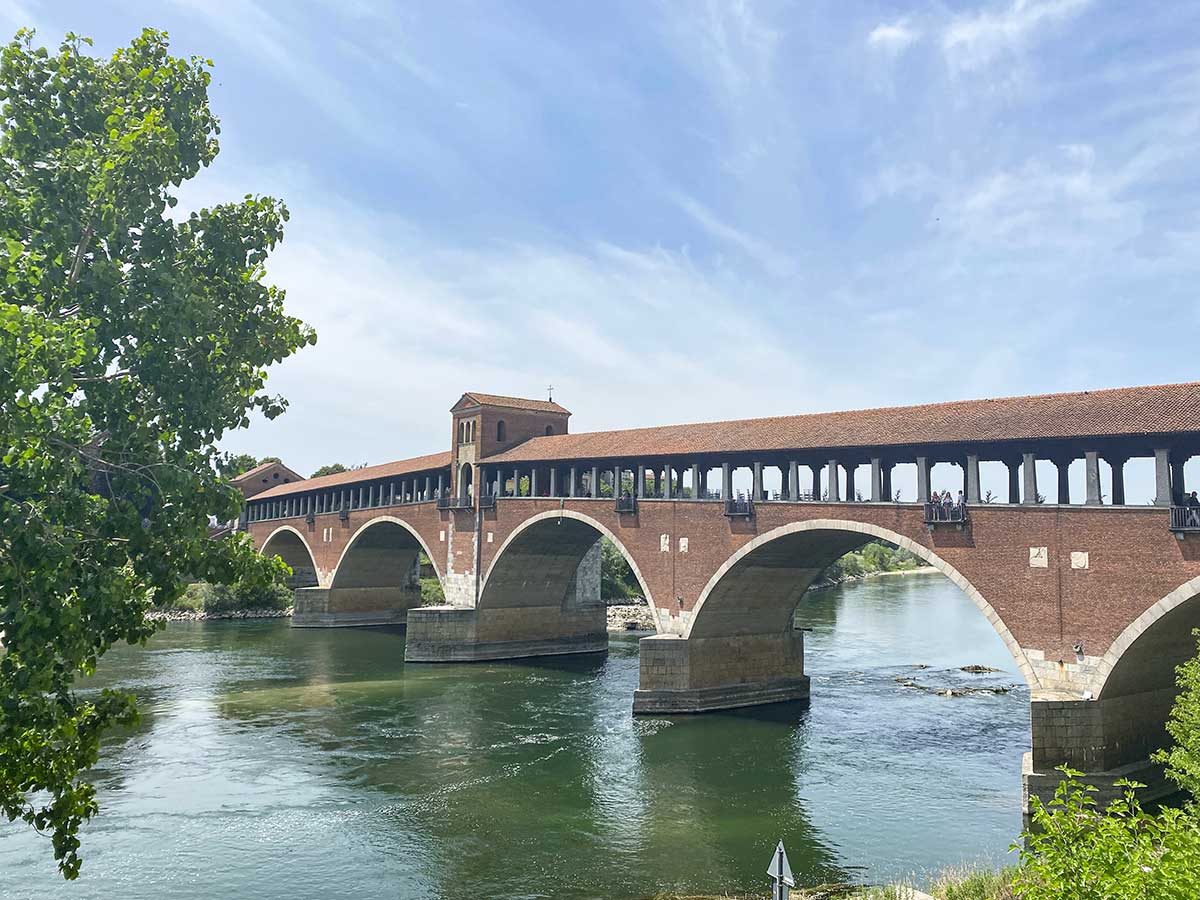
(231, 465)
(129, 344)
(1183, 759)
(331, 469)
(1076, 851)
(617, 581)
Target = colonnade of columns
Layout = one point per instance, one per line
(420, 488)
(689, 479)
(665, 480)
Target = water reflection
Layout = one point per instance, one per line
(312, 763)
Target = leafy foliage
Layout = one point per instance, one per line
(129, 344)
(231, 465)
(1075, 851)
(872, 559)
(221, 598)
(1183, 759)
(331, 469)
(617, 581)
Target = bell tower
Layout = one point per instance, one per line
(485, 424)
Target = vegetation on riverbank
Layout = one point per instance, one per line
(215, 599)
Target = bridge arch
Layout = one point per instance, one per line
(291, 546)
(374, 539)
(771, 573)
(552, 544)
(1143, 657)
(376, 580)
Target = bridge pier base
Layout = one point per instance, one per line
(457, 634)
(1107, 740)
(317, 607)
(691, 675)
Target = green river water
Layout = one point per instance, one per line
(273, 762)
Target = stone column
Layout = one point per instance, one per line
(1029, 472)
(441, 484)
(1014, 480)
(498, 488)
(1118, 480)
(668, 482)
(1178, 490)
(793, 481)
(851, 494)
(816, 478)
(1062, 465)
(639, 480)
(832, 476)
(616, 481)
(428, 487)
(887, 481)
(695, 481)
(876, 480)
(572, 487)
(972, 478)
(757, 489)
(533, 481)
(726, 482)
(554, 481)
(594, 487)
(1092, 468)
(922, 479)
(1162, 478)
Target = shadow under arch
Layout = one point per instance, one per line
(539, 563)
(290, 545)
(376, 580)
(757, 590)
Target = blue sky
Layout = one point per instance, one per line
(686, 211)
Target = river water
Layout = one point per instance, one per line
(273, 762)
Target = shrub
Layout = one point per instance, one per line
(221, 598)
(1183, 759)
(431, 592)
(1074, 851)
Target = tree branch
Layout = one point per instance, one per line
(80, 250)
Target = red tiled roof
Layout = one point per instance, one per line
(513, 403)
(367, 473)
(1107, 413)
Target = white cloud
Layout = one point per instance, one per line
(974, 41)
(893, 39)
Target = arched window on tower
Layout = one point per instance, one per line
(549, 429)
(501, 432)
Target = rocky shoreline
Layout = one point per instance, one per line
(197, 615)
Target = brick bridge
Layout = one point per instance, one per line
(1095, 599)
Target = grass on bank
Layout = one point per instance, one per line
(951, 884)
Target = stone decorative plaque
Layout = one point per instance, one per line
(1039, 558)
(683, 545)
(664, 543)
(1079, 559)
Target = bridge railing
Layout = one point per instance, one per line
(739, 506)
(455, 503)
(626, 504)
(940, 513)
(1185, 518)
(487, 501)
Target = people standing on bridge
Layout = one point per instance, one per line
(946, 505)
(962, 506)
(1193, 504)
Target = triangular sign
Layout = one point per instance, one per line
(780, 869)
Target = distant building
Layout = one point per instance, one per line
(265, 476)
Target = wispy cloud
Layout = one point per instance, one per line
(893, 38)
(974, 41)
